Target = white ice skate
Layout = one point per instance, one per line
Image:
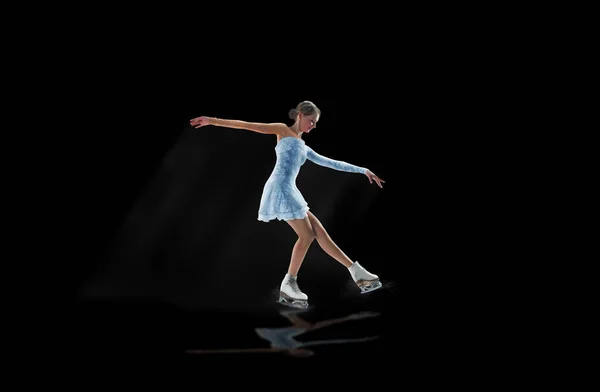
(290, 294)
(365, 280)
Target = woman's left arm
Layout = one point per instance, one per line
(332, 163)
(341, 166)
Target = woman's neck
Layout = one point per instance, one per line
(295, 129)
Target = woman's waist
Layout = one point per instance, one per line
(284, 173)
(282, 179)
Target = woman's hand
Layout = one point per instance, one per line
(372, 177)
(200, 121)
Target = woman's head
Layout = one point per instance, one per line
(306, 114)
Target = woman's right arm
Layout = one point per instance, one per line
(266, 128)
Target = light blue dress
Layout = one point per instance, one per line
(281, 198)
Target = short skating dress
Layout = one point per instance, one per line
(281, 198)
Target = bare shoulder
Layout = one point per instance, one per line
(280, 129)
(285, 132)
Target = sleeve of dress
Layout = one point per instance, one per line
(311, 155)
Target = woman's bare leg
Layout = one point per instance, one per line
(306, 236)
(326, 242)
(310, 228)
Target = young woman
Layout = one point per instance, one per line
(282, 200)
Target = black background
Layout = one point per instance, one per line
(167, 255)
(149, 227)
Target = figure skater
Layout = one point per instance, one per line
(282, 200)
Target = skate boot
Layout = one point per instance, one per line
(365, 280)
(290, 294)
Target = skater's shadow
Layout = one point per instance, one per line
(283, 339)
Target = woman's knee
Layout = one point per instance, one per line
(307, 236)
(308, 233)
(317, 227)
(304, 230)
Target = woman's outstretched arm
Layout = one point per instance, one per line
(266, 128)
(321, 160)
(341, 166)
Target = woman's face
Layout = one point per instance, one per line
(308, 122)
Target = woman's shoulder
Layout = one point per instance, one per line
(287, 132)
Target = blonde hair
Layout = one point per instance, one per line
(305, 107)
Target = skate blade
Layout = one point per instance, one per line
(293, 303)
(366, 288)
